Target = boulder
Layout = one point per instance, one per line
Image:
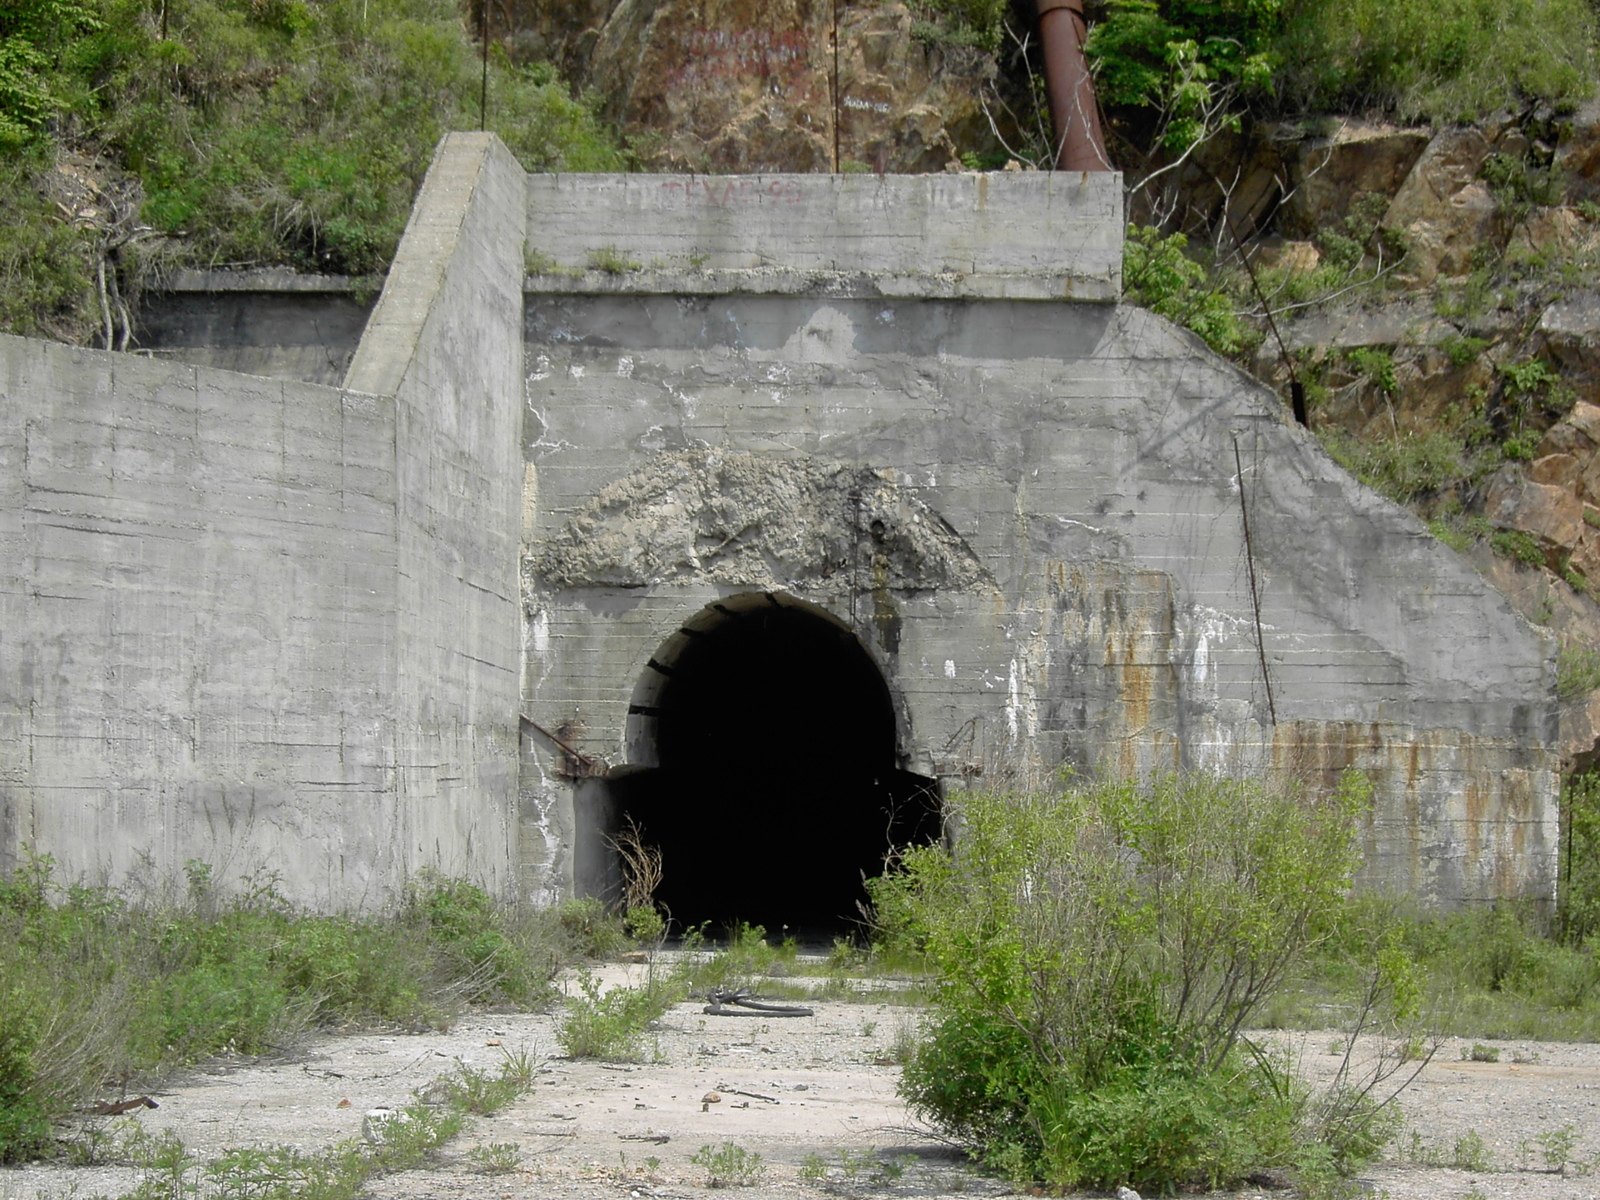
(1549, 231)
(1577, 434)
(1570, 331)
(1552, 514)
(1227, 186)
(1557, 470)
(1585, 418)
(1326, 174)
(1294, 257)
(1442, 209)
(1578, 153)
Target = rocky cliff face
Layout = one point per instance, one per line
(789, 85)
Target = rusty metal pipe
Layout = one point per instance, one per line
(1079, 145)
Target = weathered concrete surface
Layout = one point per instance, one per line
(270, 625)
(197, 629)
(1083, 597)
(1019, 235)
(272, 323)
(445, 342)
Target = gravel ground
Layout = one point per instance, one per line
(790, 1089)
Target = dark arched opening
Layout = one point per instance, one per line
(775, 786)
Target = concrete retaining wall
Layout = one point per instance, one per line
(270, 625)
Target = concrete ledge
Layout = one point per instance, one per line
(268, 280)
(1003, 235)
(843, 285)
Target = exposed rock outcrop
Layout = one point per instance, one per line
(732, 85)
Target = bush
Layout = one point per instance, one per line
(1158, 274)
(612, 1025)
(1405, 468)
(1579, 914)
(1098, 952)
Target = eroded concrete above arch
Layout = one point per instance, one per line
(755, 520)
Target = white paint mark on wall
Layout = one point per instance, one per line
(949, 668)
(625, 367)
(1213, 628)
(1013, 703)
(542, 368)
(575, 371)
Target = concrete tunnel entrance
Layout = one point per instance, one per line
(768, 774)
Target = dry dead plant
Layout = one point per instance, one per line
(642, 866)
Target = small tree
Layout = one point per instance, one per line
(1099, 952)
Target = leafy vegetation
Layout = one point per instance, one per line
(1579, 914)
(1445, 60)
(729, 1165)
(1449, 61)
(611, 1024)
(1160, 276)
(1099, 952)
(237, 132)
(95, 989)
(167, 1168)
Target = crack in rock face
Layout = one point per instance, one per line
(757, 521)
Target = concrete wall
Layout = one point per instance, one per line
(271, 625)
(1059, 573)
(272, 323)
(445, 342)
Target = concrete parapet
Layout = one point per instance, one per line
(1038, 235)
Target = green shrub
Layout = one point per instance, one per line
(1579, 913)
(1172, 56)
(1157, 274)
(729, 1165)
(591, 930)
(1404, 468)
(1518, 546)
(979, 24)
(1577, 671)
(1098, 952)
(1463, 350)
(612, 1025)
(742, 963)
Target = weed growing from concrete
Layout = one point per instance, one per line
(611, 1025)
(729, 1165)
(612, 261)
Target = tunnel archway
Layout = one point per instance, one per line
(770, 777)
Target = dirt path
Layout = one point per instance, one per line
(793, 1091)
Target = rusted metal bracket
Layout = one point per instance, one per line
(576, 764)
